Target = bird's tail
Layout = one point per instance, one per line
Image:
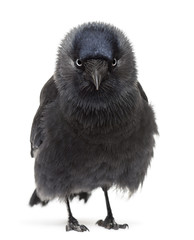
(34, 200)
(82, 195)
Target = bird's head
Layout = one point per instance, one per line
(95, 59)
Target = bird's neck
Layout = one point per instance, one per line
(100, 115)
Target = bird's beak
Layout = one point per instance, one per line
(96, 78)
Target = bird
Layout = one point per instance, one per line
(94, 127)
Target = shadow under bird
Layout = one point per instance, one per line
(94, 126)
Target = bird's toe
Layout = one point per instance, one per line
(110, 223)
(84, 228)
(74, 225)
(123, 226)
(100, 222)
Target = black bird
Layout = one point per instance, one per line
(94, 126)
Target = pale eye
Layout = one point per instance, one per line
(114, 62)
(78, 62)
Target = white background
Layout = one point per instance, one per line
(162, 33)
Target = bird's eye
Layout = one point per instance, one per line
(78, 62)
(114, 62)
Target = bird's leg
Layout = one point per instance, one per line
(73, 224)
(109, 221)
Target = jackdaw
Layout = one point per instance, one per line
(94, 126)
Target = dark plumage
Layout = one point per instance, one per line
(94, 127)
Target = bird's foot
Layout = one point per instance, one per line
(110, 223)
(74, 225)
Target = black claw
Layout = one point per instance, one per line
(84, 228)
(74, 225)
(123, 226)
(110, 223)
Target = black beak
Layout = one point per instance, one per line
(96, 71)
(96, 76)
